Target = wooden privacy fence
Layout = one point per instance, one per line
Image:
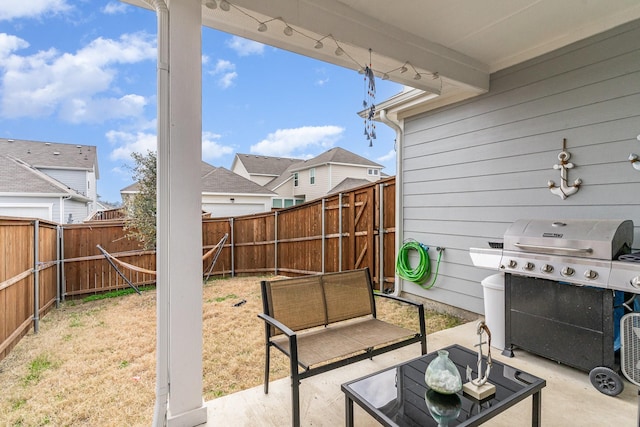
(29, 271)
(344, 231)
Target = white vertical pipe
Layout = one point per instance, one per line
(162, 288)
(397, 289)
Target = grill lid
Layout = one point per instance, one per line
(597, 239)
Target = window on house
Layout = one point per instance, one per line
(373, 172)
(312, 176)
(276, 203)
(295, 179)
(288, 203)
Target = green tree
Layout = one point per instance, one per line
(141, 207)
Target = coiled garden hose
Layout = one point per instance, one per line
(422, 270)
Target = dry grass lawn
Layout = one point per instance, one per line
(93, 363)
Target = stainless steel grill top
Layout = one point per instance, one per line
(596, 239)
(580, 252)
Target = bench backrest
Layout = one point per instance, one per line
(310, 301)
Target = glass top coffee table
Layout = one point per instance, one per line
(398, 396)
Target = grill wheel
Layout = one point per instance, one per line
(606, 380)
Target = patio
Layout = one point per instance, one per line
(569, 399)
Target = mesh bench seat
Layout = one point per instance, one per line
(325, 321)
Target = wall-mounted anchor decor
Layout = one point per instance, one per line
(633, 158)
(564, 190)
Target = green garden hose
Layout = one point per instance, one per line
(422, 270)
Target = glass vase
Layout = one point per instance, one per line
(442, 376)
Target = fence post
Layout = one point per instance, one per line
(381, 237)
(233, 265)
(275, 243)
(339, 231)
(323, 233)
(63, 277)
(58, 263)
(36, 277)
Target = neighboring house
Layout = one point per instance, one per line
(224, 193)
(296, 181)
(315, 178)
(51, 181)
(261, 169)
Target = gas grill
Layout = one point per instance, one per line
(579, 252)
(566, 283)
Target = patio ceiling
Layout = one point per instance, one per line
(460, 41)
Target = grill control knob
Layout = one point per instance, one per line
(568, 272)
(513, 263)
(547, 268)
(635, 282)
(590, 274)
(529, 266)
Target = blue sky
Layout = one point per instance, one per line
(84, 72)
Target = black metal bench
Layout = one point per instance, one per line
(325, 321)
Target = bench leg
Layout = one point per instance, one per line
(266, 368)
(295, 400)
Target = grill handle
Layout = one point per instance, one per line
(553, 248)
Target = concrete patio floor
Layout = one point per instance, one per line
(569, 399)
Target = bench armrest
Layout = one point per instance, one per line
(421, 321)
(396, 298)
(273, 322)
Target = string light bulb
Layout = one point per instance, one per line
(385, 76)
(288, 31)
(403, 69)
(262, 27)
(318, 45)
(211, 4)
(224, 5)
(417, 76)
(339, 51)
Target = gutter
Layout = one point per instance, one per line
(397, 127)
(162, 327)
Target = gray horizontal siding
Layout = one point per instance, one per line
(471, 169)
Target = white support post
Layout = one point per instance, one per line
(179, 243)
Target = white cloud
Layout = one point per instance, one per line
(11, 9)
(211, 148)
(389, 156)
(225, 72)
(244, 47)
(292, 142)
(70, 84)
(9, 43)
(125, 143)
(114, 7)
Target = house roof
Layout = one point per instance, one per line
(18, 177)
(265, 165)
(52, 155)
(218, 180)
(336, 155)
(348, 184)
(221, 180)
